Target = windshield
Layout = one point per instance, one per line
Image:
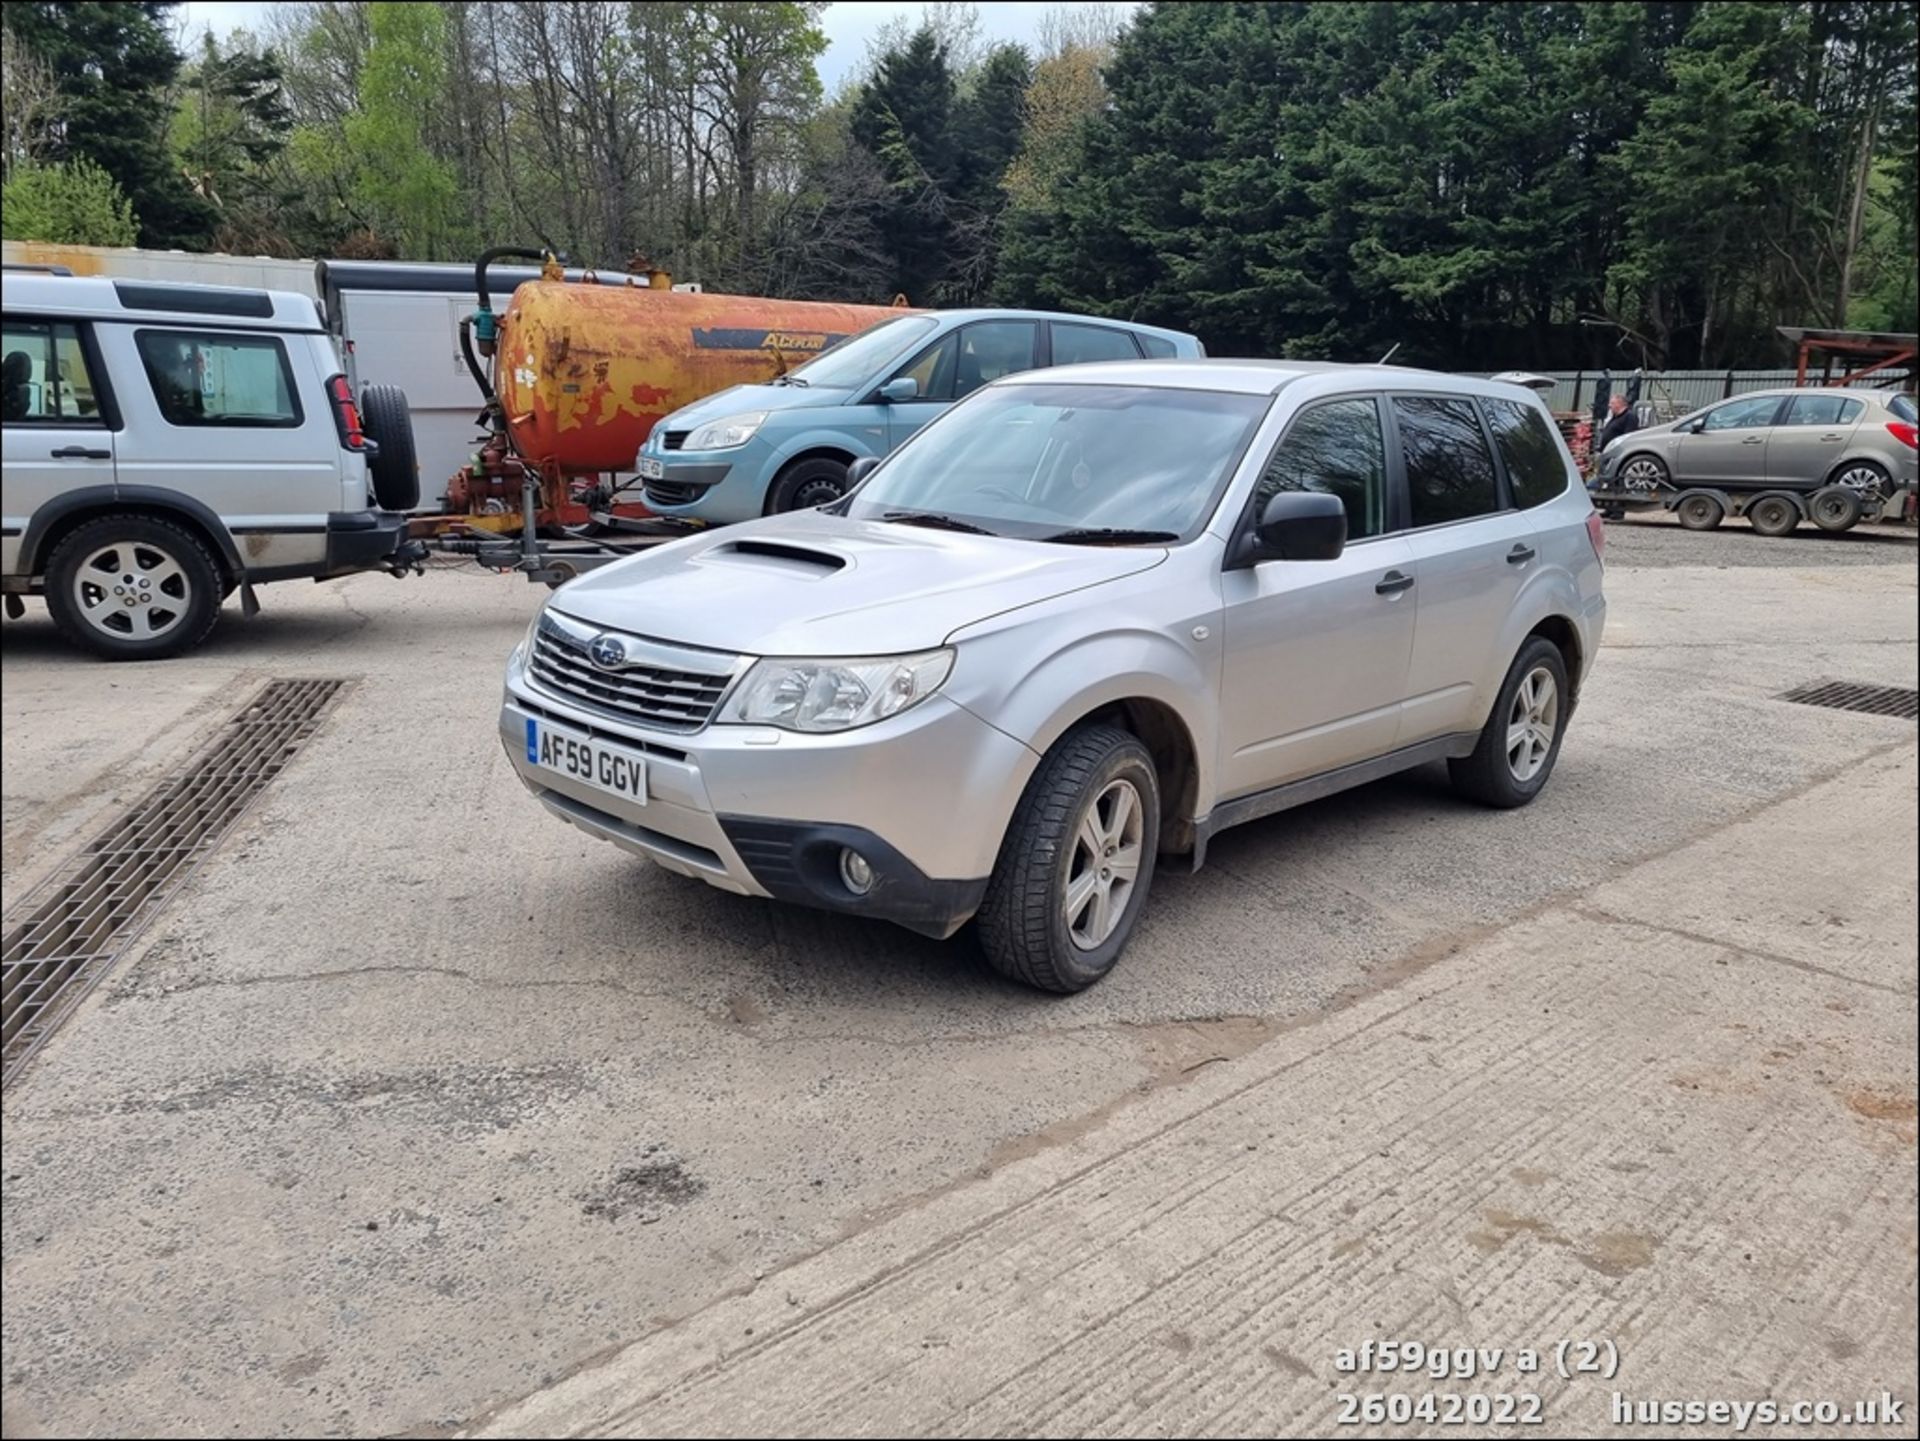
(1042, 462)
(859, 356)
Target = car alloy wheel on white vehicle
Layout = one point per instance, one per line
(132, 590)
(1532, 724)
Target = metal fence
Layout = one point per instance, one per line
(1675, 392)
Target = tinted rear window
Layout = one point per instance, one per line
(1449, 468)
(1157, 347)
(1075, 344)
(1902, 406)
(1527, 445)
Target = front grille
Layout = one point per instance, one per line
(672, 439)
(662, 686)
(665, 492)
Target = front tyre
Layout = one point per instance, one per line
(1521, 740)
(806, 484)
(1076, 863)
(133, 587)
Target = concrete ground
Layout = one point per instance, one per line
(419, 1110)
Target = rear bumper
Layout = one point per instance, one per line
(364, 540)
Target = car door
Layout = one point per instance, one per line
(1730, 443)
(1316, 652)
(56, 422)
(958, 364)
(1471, 552)
(219, 415)
(1812, 434)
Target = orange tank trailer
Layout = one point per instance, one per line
(585, 371)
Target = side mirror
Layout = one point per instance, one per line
(1296, 525)
(901, 387)
(863, 467)
(1697, 426)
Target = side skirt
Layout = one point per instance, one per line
(1254, 807)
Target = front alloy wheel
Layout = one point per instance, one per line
(1105, 865)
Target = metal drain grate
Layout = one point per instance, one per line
(83, 916)
(1887, 700)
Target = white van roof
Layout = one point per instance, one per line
(91, 297)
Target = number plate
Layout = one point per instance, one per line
(613, 769)
(651, 469)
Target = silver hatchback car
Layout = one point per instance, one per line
(1776, 456)
(1077, 625)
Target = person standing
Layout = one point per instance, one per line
(1620, 421)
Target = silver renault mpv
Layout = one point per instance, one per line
(1077, 625)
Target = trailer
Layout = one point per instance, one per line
(1770, 512)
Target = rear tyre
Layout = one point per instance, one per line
(1773, 515)
(1076, 863)
(1863, 476)
(388, 422)
(133, 587)
(1521, 739)
(806, 484)
(1700, 512)
(1836, 508)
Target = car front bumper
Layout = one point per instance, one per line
(718, 486)
(924, 797)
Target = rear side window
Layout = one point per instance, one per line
(1822, 410)
(1903, 408)
(1335, 448)
(1078, 344)
(44, 379)
(225, 380)
(1535, 470)
(1157, 347)
(1449, 468)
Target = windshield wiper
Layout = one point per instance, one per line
(936, 522)
(800, 380)
(1106, 535)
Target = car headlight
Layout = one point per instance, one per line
(525, 648)
(727, 432)
(836, 695)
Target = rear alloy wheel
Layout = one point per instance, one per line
(1700, 512)
(1861, 475)
(1837, 507)
(1773, 515)
(1521, 739)
(132, 587)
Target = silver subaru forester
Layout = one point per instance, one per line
(1082, 622)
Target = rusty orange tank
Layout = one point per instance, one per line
(584, 371)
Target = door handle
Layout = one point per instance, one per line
(80, 452)
(1521, 554)
(1834, 436)
(1392, 583)
(1754, 440)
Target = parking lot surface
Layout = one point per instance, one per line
(416, 1107)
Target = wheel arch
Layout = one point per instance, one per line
(64, 514)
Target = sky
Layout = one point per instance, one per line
(849, 25)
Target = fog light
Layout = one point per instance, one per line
(855, 871)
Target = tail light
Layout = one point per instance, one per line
(1597, 533)
(1904, 433)
(346, 415)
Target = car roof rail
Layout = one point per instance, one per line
(40, 269)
